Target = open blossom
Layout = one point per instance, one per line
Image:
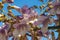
(39, 32)
(10, 1)
(20, 29)
(51, 12)
(23, 10)
(20, 24)
(3, 34)
(56, 5)
(55, 2)
(45, 25)
(31, 16)
(44, 20)
(7, 1)
(5, 26)
(20, 17)
(58, 12)
(41, 20)
(28, 14)
(4, 31)
(2, 37)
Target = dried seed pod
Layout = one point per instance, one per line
(51, 6)
(11, 14)
(1, 5)
(2, 17)
(10, 7)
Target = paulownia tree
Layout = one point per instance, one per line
(29, 21)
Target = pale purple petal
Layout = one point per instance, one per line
(39, 32)
(58, 13)
(20, 17)
(10, 1)
(42, 20)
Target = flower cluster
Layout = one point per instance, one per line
(28, 21)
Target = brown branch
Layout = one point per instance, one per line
(54, 27)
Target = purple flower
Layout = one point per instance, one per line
(39, 32)
(42, 20)
(25, 9)
(6, 26)
(10, 1)
(20, 17)
(2, 31)
(58, 12)
(47, 33)
(20, 29)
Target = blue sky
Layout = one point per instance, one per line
(30, 3)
